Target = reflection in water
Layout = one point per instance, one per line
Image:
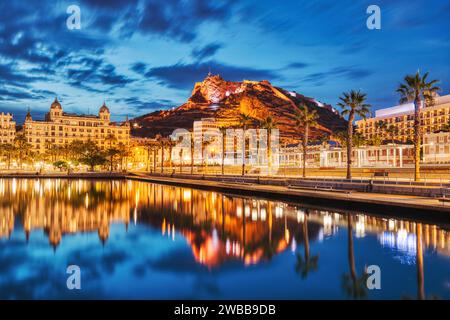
(217, 227)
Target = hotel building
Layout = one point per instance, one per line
(401, 117)
(7, 128)
(61, 128)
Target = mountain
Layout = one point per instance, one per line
(224, 100)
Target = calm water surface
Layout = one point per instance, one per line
(143, 240)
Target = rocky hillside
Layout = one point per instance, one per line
(225, 100)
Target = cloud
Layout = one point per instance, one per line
(85, 71)
(139, 67)
(348, 73)
(183, 76)
(138, 105)
(297, 65)
(179, 19)
(206, 51)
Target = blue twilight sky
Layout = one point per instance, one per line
(144, 55)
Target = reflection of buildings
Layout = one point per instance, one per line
(217, 227)
(6, 222)
(62, 207)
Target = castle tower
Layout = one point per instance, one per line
(104, 113)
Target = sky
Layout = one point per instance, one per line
(145, 55)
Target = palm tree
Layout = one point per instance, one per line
(392, 132)
(205, 145)
(192, 145)
(223, 131)
(269, 124)
(244, 121)
(162, 142)
(353, 103)
(417, 89)
(305, 119)
(180, 153)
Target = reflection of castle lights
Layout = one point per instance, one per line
(293, 245)
(391, 224)
(401, 241)
(360, 227)
(239, 211)
(327, 224)
(278, 211)
(300, 216)
(254, 214)
(86, 201)
(215, 239)
(263, 214)
(247, 211)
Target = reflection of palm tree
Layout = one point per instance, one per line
(420, 277)
(353, 285)
(308, 263)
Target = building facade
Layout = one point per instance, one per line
(436, 148)
(401, 119)
(60, 128)
(7, 128)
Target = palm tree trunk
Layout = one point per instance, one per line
(181, 160)
(192, 158)
(154, 159)
(305, 143)
(350, 144)
(223, 154)
(269, 150)
(243, 152)
(417, 105)
(162, 159)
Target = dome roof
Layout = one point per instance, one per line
(55, 104)
(104, 108)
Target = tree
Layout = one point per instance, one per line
(111, 154)
(305, 119)
(22, 147)
(358, 140)
(244, 121)
(91, 155)
(162, 144)
(352, 103)
(7, 151)
(417, 89)
(223, 132)
(269, 124)
(192, 144)
(392, 132)
(205, 145)
(61, 165)
(124, 153)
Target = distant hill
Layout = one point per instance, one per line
(224, 100)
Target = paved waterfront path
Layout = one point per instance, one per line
(353, 199)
